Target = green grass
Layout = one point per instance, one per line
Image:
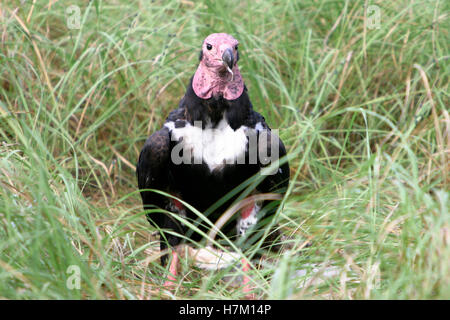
(363, 113)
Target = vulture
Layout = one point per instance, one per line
(210, 145)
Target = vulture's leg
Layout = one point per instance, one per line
(248, 218)
(173, 270)
(246, 280)
(173, 242)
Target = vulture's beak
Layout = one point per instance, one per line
(227, 58)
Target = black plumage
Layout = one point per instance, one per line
(195, 183)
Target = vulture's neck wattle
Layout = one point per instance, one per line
(210, 82)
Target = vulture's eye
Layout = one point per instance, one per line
(208, 46)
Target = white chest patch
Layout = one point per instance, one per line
(213, 146)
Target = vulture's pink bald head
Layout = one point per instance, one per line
(218, 73)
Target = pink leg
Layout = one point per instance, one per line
(245, 268)
(173, 268)
(245, 213)
(246, 281)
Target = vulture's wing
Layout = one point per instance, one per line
(152, 172)
(270, 149)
